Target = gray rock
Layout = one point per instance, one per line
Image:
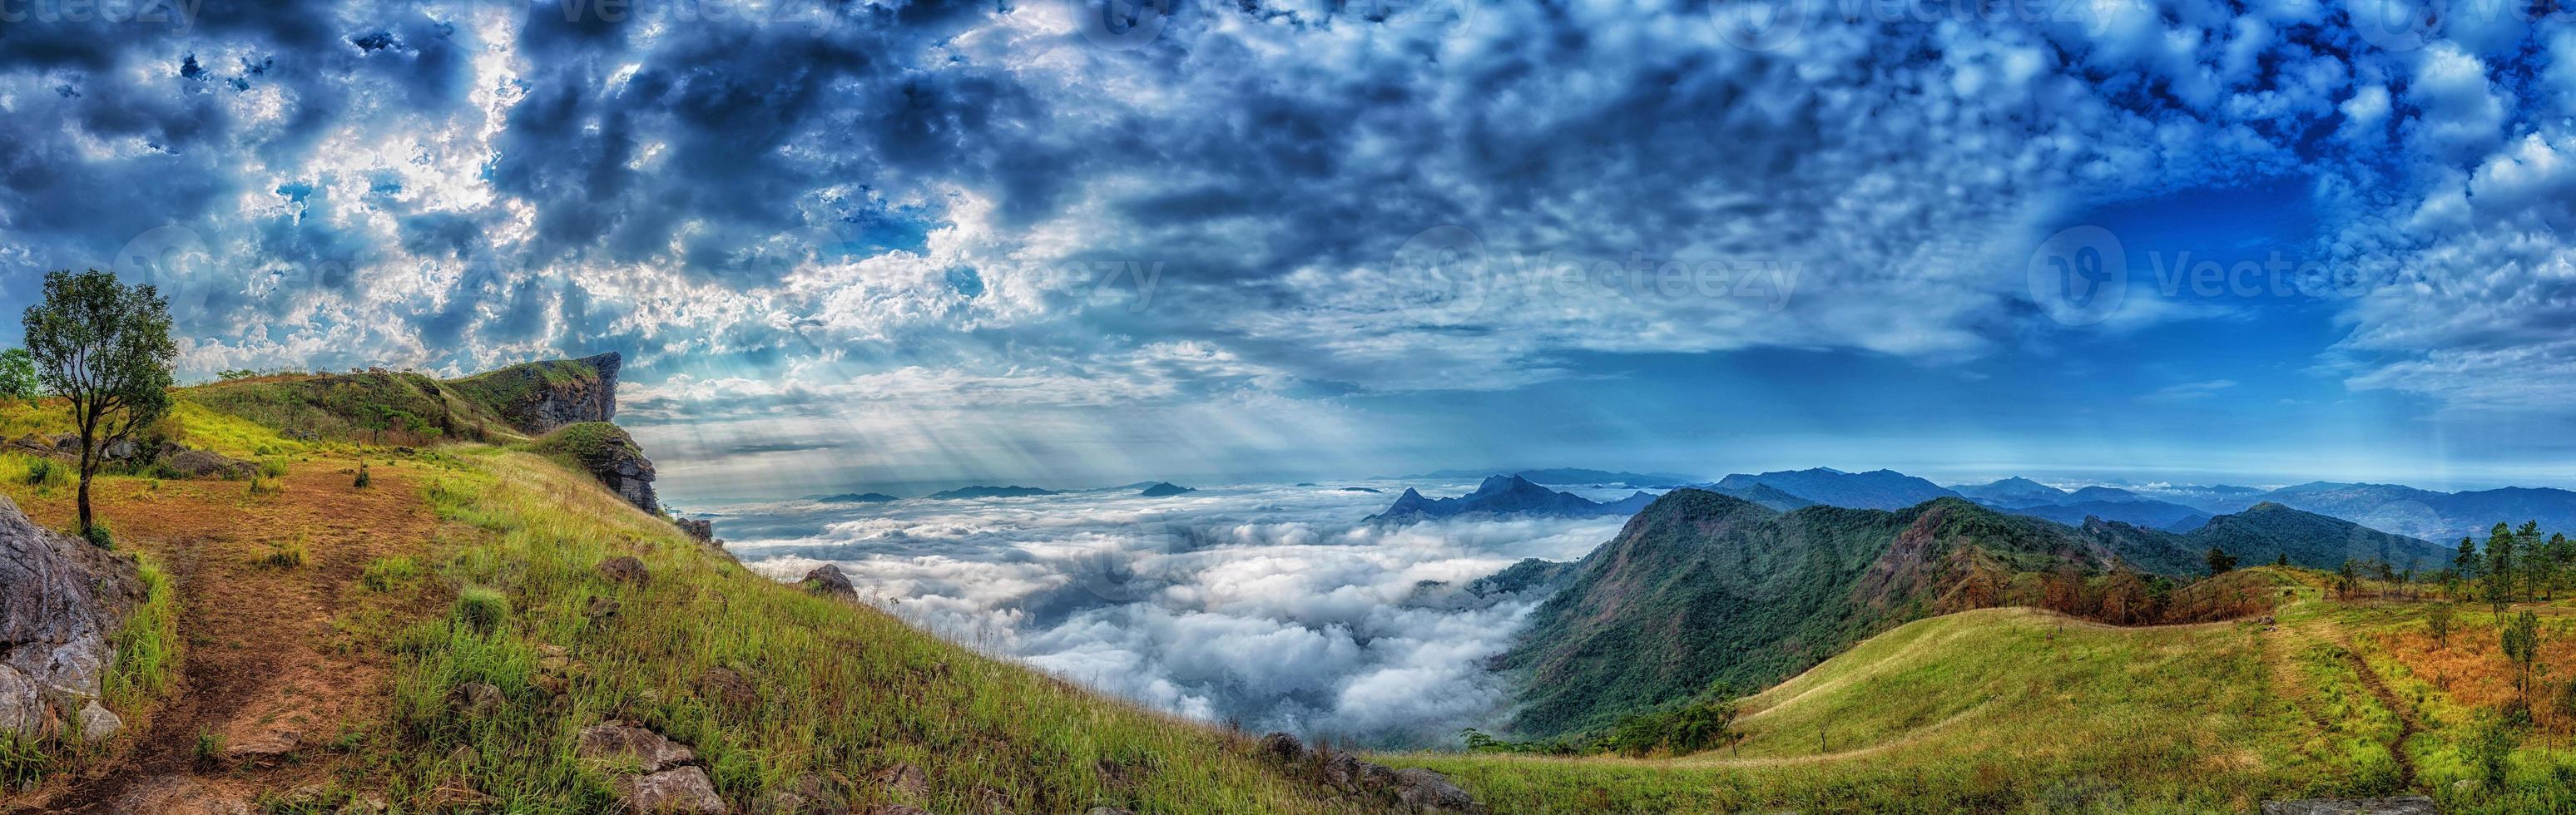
(1280, 747)
(828, 580)
(2400, 805)
(698, 529)
(98, 724)
(475, 700)
(621, 742)
(60, 600)
(684, 790)
(1428, 791)
(207, 464)
(118, 450)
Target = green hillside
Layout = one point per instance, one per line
(1996, 710)
(1704, 587)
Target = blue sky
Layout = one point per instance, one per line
(913, 244)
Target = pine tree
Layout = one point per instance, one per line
(2500, 565)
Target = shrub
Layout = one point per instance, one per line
(46, 472)
(362, 475)
(100, 535)
(210, 748)
(273, 468)
(264, 485)
(2489, 745)
(283, 555)
(482, 609)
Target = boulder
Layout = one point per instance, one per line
(1280, 747)
(97, 724)
(118, 450)
(2400, 805)
(619, 742)
(207, 464)
(60, 601)
(729, 687)
(698, 529)
(1428, 791)
(669, 792)
(828, 580)
(625, 569)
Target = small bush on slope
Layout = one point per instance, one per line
(836, 688)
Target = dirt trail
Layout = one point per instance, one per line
(2326, 631)
(265, 668)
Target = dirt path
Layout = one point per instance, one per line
(2320, 631)
(266, 670)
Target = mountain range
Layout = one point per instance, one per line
(1701, 586)
(1563, 476)
(1507, 495)
(992, 492)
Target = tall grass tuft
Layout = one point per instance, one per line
(482, 609)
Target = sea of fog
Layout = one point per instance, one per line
(1273, 607)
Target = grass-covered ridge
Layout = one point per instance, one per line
(834, 689)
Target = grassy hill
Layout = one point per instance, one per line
(335, 643)
(1702, 586)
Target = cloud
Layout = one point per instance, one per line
(1267, 606)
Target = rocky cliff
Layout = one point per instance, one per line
(61, 600)
(538, 397)
(608, 453)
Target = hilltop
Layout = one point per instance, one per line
(437, 595)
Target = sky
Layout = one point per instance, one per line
(908, 245)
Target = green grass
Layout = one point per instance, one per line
(839, 688)
(1989, 710)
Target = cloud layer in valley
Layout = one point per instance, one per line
(1266, 606)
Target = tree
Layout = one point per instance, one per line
(2220, 562)
(2282, 560)
(105, 348)
(18, 375)
(2521, 637)
(2536, 565)
(2500, 563)
(2437, 622)
(2348, 578)
(2466, 564)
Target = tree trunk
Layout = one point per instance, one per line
(84, 506)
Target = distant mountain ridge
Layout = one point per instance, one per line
(1876, 489)
(1507, 495)
(1563, 476)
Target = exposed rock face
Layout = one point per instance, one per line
(538, 397)
(698, 529)
(610, 455)
(60, 601)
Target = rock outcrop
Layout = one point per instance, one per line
(609, 454)
(827, 580)
(1413, 789)
(61, 600)
(538, 397)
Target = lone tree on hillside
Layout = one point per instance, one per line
(2500, 566)
(2220, 562)
(105, 347)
